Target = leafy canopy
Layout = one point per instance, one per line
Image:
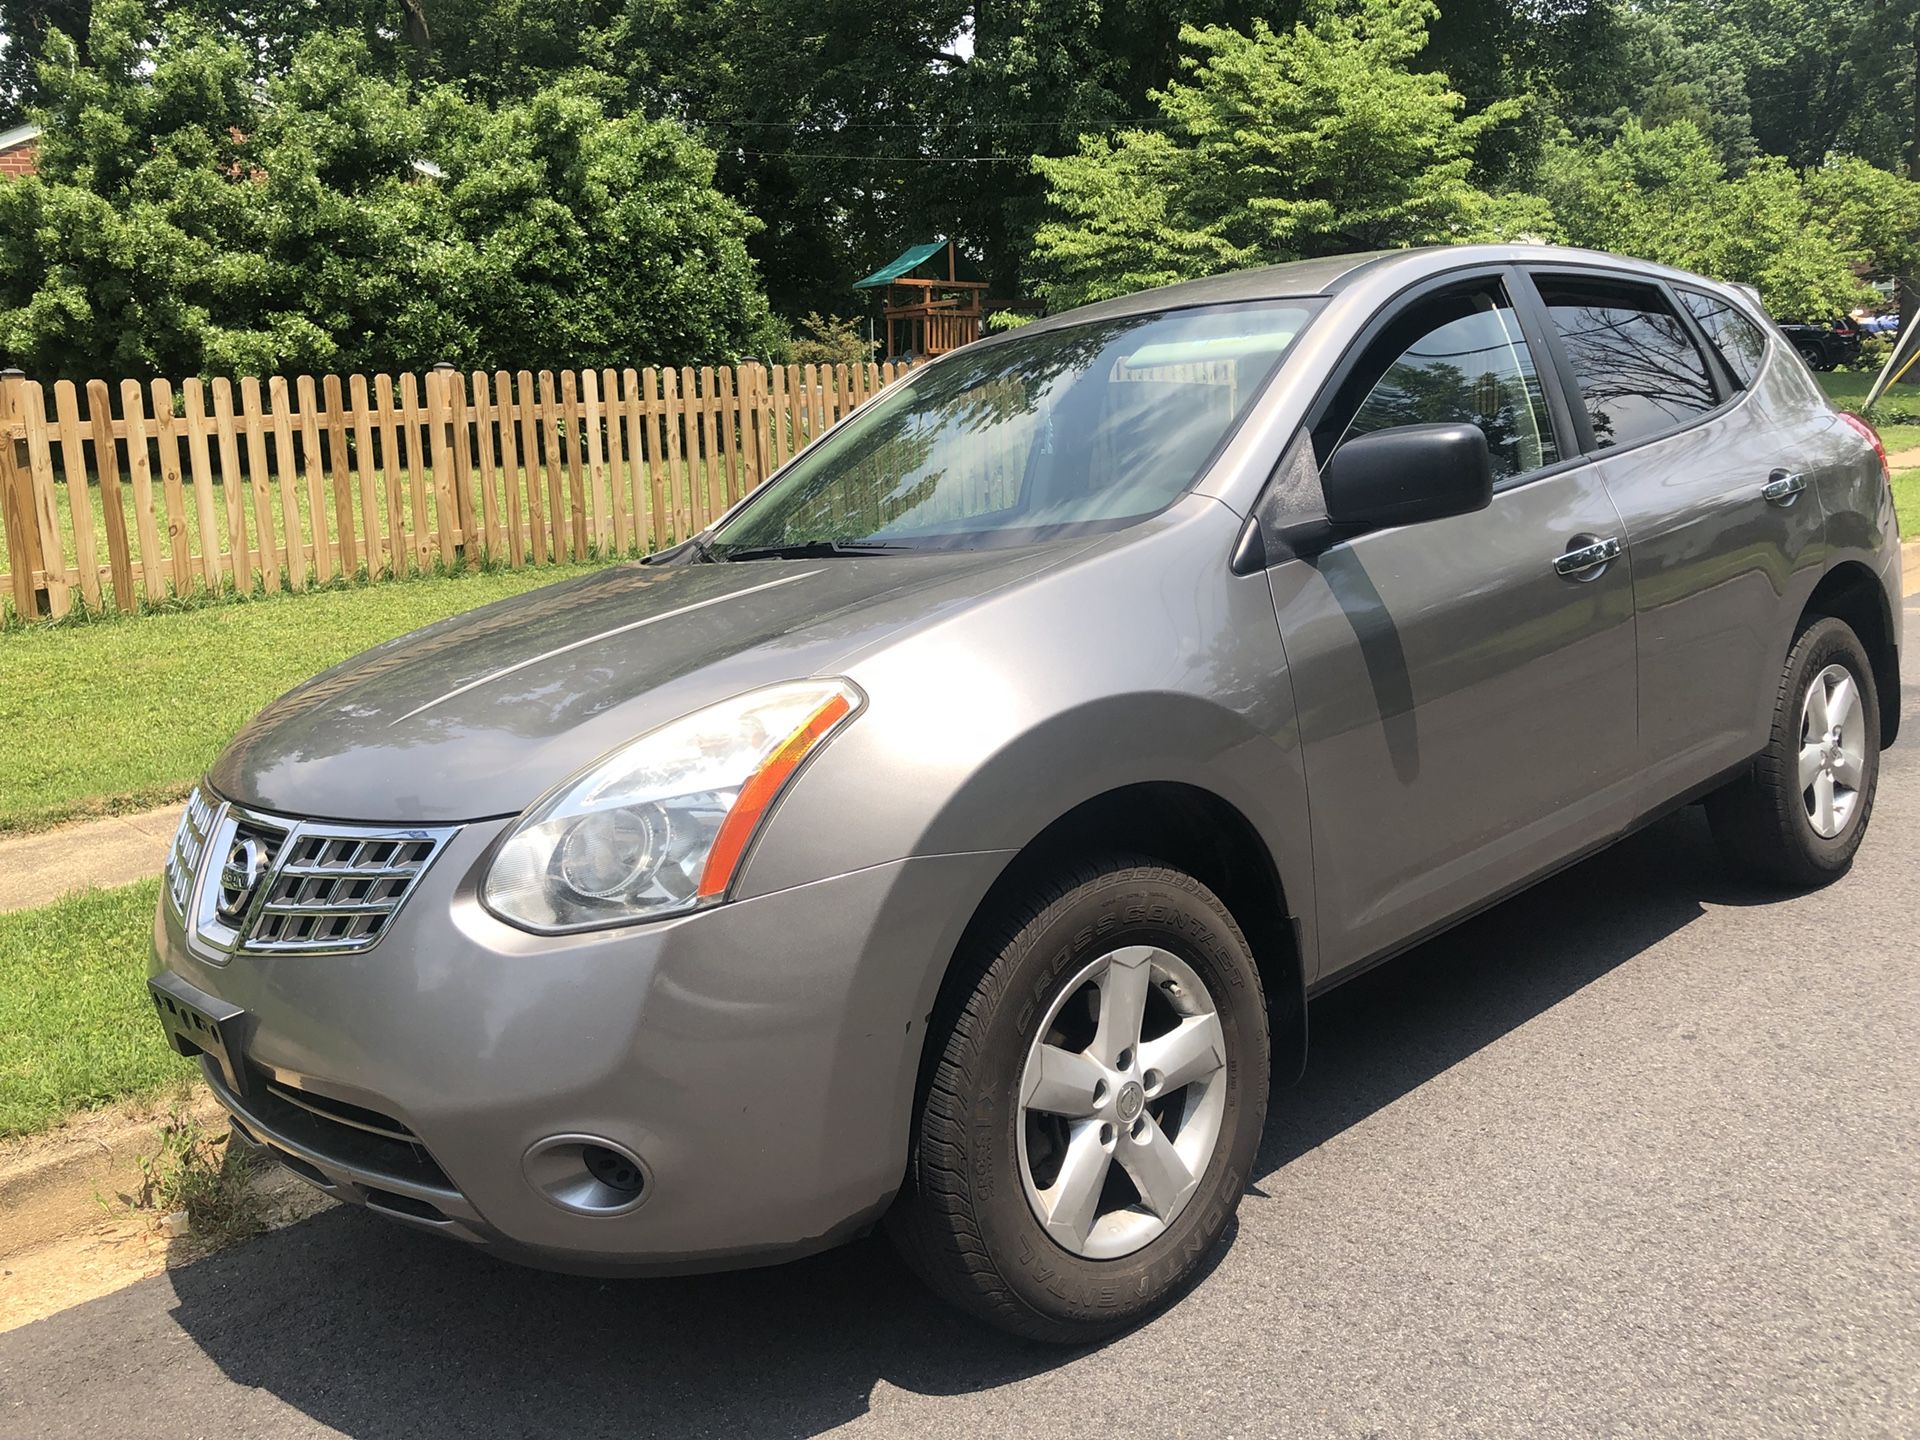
(187, 220)
(1277, 146)
(1662, 193)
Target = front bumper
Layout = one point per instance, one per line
(759, 1058)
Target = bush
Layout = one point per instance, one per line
(1874, 350)
(828, 340)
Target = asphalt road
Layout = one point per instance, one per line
(1636, 1153)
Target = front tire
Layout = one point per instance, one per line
(1798, 816)
(1095, 1107)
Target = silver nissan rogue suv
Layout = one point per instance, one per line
(952, 836)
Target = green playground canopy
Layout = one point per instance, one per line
(906, 261)
(902, 266)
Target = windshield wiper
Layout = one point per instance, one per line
(813, 550)
(694, 550)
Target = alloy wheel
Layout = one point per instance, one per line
(1121, 1101)
(1833, 750)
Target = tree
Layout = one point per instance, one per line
(346, 217)
(135, 235)
(1278, 146)
(1041, 74)
(595, 240)
(1644, 65)
(1662, 193)
(822, 113)
(24, 28)
(1877, 210)
(1822, 75)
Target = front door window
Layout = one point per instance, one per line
(1453, 357)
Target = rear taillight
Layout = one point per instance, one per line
(1872, 437)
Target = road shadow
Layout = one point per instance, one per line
(1383, 1033)
(378, 1332)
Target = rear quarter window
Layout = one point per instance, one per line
(1741, 343)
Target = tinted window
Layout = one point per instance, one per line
(1455, 357)
(1741, 343)
(1091, 425)
(1637, 369)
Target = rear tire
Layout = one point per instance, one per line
(1797, 817)
(989, 1214)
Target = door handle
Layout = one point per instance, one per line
(1588, 557)
(1782, 488)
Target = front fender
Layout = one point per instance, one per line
(1143, 661)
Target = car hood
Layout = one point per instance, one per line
(479, 715)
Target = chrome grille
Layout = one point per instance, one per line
(336, 891)
(188, 849)
(262, 884)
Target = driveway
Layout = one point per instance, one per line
(1636, 1153)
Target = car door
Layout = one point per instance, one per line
(1709, 477)
(1465, 687)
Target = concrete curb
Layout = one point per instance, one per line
(1910, 567)
(68, 1239)
(51, 1184)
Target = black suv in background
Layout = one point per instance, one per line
(1825, 345)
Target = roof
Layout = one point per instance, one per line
(1294, 279)
(18, 135)
(912, 258)
(1327, 276)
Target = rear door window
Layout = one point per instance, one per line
(1636, 368)
(1741, 343)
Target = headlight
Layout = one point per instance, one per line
(660, 825)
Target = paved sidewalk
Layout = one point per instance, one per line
(40, 867)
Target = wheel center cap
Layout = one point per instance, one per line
(1128, 1102)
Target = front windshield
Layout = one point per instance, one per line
(1085, 427)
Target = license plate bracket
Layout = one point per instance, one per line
(197, 1023)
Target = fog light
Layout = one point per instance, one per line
(587, 1174)
(614, 1170)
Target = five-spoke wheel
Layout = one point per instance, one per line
(1796, 816)
(1096, 1104)
(1126, 1073)
(1833, 750)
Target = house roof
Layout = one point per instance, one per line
(18, 135)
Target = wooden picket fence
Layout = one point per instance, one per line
(286, 483)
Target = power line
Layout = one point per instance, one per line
(915, 159)
(944, 122)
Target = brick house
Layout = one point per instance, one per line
(18, 149)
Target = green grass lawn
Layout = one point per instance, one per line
(120, 713)
(1906, 502)
(76, 1029)
(1896, 417)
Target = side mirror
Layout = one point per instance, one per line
(1406, 475)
